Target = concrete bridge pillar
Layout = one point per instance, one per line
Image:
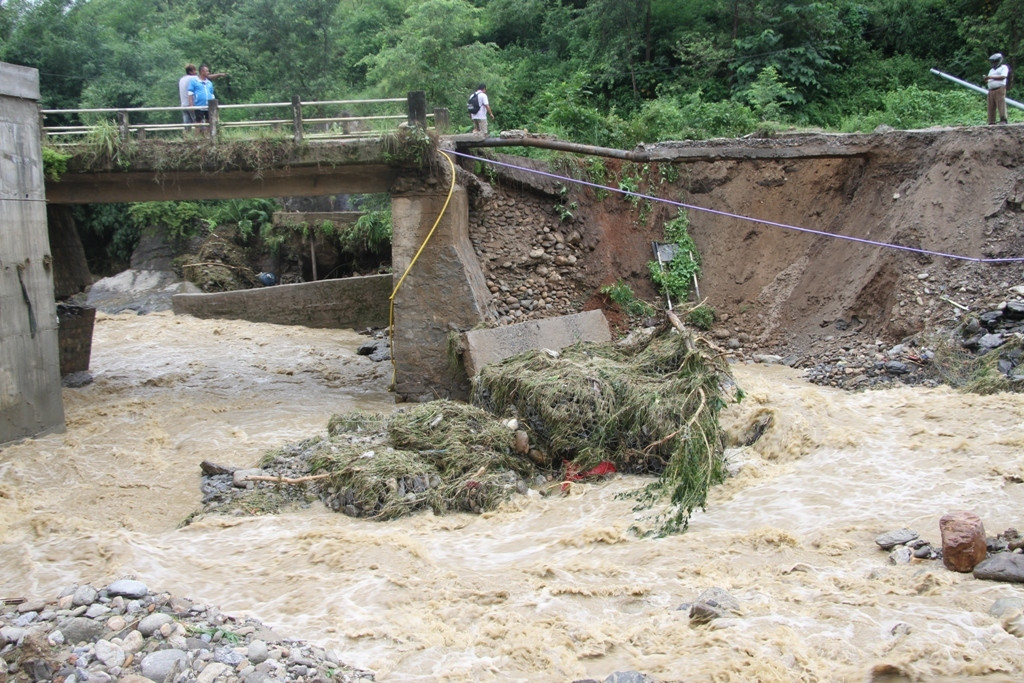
(444, 294)
(30, 390)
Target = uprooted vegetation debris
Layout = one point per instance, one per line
(538, 421)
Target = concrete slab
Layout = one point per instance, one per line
(345, 303)
(492, 345)
(19, 81)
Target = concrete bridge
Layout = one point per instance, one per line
(443, 294)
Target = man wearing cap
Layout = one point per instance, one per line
(996, 80)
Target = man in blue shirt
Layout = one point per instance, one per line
(200, 92)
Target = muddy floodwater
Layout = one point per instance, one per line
(549, 588)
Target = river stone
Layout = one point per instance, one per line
(133, 642)
(31, 606)
(1010, 613)
(240, 477)
(11, 634)
(895, 367)
(963, 541)
(257, 652)
(1014, 310)
(97, 610)
(152, 623)
(211, 671)
(991, 341)
(1002, 567)
(713, 603)
(84, 595)
(891, 539)
(79, 629)
(901, 555)
(629, 677)
(111, 655)
(156, 666)
(261, 677)
(522, 442)
(227, 655)
(128, 588)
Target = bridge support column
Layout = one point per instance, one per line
(30, 390)
(445, 292)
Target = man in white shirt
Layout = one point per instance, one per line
(190, 73)
(480, 116)
(996, 79)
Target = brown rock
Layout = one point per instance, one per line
(963, 541)
(522, 442)
(539, 457)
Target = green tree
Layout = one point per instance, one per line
(436, 50)
(807, 42)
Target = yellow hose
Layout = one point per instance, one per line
(391, 299)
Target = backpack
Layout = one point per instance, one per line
(473, 105)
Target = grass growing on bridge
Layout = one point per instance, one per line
(104, 150)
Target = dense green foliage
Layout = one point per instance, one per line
(604, 72)
(598, 71)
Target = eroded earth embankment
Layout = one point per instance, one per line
(766, 215)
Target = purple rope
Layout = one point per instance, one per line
(860, 240)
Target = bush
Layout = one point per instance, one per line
(689, 117)
(676, 277)
(702, 317)
(911, 108)
(180, 221)
(622, 295)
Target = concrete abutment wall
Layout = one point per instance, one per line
(30, 389)
(444, 294)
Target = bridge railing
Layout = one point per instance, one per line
(328, 119)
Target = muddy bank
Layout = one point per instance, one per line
(776, 290)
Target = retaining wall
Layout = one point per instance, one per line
(347, 303)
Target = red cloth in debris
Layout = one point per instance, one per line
(572, 472)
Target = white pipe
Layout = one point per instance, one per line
(973, 87)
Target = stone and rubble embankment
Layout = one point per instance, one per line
(126, 632)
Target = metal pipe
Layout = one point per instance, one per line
(560, 145)
(973, 87)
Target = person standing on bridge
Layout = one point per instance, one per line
(996, 80)
(183, 83)
(483, 110)
(200, 92)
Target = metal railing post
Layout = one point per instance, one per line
(122, 119)
(418, 109)
(297, 118)
(214, 114)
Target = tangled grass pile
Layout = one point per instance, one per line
(442, 455)
(537, 419)
(650, 407)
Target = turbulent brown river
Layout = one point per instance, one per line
(546, 589)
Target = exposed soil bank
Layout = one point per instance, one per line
(955, 191)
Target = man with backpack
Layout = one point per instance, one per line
(479, 109)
